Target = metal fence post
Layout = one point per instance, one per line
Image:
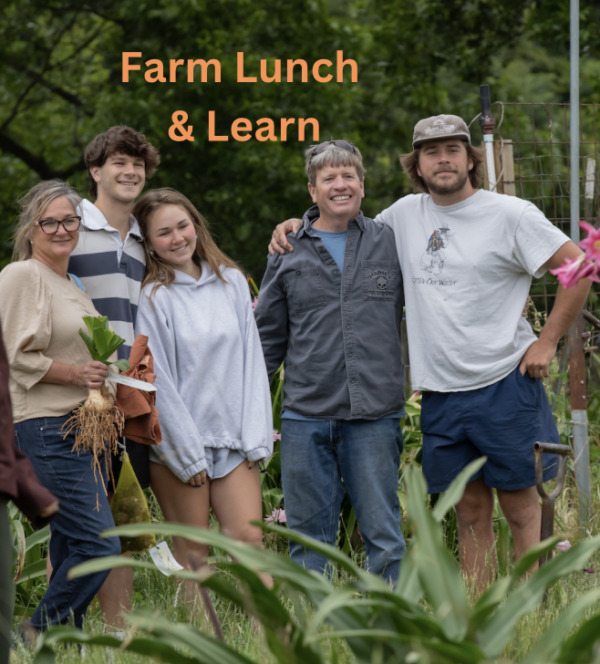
(581, 454)
(487, 122)
(577, 356)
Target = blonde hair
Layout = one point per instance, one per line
(33, 204)
(159, 271)
(334, 157)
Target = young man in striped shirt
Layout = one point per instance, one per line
(109, 260)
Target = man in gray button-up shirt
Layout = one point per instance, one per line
(331, 311)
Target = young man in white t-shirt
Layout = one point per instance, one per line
(468, 257)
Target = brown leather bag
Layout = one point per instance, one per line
(139, 407)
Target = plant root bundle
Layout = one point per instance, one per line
(98, 424)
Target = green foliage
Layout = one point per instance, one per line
(426, 618)
(103, 342)
(61, 84)
(30, 552)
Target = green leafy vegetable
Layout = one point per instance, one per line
(103, 342)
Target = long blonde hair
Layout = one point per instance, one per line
(159, 271)
(33, 205)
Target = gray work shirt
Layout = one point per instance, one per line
(337, 334)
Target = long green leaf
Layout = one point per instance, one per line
(560, 628)
(499, 630)
(371, 581)
(455, 491)
(39, 537)
(580, 647)
(166, 640)
(409, 587)
(33, 571)
(438, 571)
(89, 342)
(112, 562)
(21, 548)
(498, 591)
(261, 560)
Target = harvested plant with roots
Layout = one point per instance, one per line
(98, 423)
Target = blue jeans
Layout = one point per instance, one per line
(76, 526)
(315, 457)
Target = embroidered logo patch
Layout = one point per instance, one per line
(439, 127)
(381, 284)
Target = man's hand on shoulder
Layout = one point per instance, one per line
(279, 241)
(536, 361)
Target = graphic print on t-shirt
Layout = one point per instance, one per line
(433, 259)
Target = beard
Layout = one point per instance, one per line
(450, 188)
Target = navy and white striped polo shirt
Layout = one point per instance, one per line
(111, 270)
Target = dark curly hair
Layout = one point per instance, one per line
(120, 139)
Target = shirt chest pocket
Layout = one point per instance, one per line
(381, 280)
(304, 289)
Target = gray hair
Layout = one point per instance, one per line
(334, 157)
(33, 204)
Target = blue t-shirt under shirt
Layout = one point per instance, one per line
(335, 243)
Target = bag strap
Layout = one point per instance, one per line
(77, 280)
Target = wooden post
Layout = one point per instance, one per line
(505, 167)
(486, 180)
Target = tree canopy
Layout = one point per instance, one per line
(60, 81)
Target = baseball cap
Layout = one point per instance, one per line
(440, 126)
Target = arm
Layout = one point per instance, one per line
(91, 374)
(181, 449)
(279, 241)
(569, 302)
(272, 317)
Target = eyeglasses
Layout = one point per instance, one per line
(343, 145)
(50, 226)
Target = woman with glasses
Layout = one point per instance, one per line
(41, 310)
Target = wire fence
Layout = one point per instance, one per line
(533, 162)
(533, 148)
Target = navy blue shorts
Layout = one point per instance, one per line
(501, 421)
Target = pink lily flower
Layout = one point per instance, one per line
(276, 435)
(573, 270)
(591, 244)
(254, 303)
(565, 545)
(277, 516)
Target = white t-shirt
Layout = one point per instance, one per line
(467, 271)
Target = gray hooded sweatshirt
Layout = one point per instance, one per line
(211, 379)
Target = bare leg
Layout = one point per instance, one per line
(116, 594)
(476, 534)
(236, 500)
(522, 511)
(182, 503)
(115, 597)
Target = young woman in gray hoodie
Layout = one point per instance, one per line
(213, 393)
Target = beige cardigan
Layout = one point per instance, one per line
(41, 315)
